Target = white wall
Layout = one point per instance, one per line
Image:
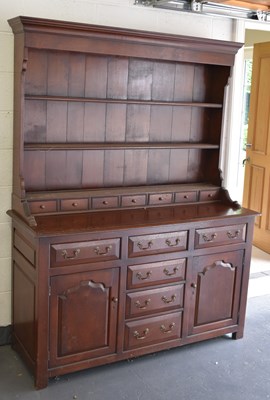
(120, 13)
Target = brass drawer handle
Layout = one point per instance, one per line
(141, 247)
(134, 201)
(141, 336)
(193, 285)
(105, 202)
(104, 253)
(169, 330)
(74, 204)
(234, 235)
(185, 196)
(42, 206)
(143, 278)
(170, 244)
(142, 307)
(75, 254)
(167, 301)
(168, 273)
(210, 238)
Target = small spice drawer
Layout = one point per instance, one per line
(104, 202)
(155, 300)
(37, 207)
(72, 253)
(159, 243)
(209, 195)
(156, 273)
(133, 201)
(74, 204)
(185, 197)
(163, 198)
(152, 330)
(222, 235)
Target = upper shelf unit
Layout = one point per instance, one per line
(100, 107)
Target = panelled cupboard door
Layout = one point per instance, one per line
(257, 173)
(83, 316)
(215, 291)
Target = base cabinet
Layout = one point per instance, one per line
(96, 300)
(83, 316)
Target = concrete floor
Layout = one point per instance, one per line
(218, 369)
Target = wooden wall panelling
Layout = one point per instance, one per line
(35, 170)
(93, 169)
(35, 121)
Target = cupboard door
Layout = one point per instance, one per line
(215, 291)
(83, 316)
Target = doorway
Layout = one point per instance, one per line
(260, 262)
(252, 36)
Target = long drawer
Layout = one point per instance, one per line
(153, 330)
(221, 235)
(90, 251)
(156, 273)
(159, 243)
(155, 300)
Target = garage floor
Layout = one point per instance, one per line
(218, 369)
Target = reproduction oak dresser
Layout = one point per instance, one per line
(124, 241)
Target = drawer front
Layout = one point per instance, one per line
(209, 195)
(221, 235)
(155, 300)
(38, 207)
(162, 198)
(156, 273)
(105, 202)
(74, 253)
(74, 204)
(152, 330)
(133, 201)
(185, 197)
(160, 243)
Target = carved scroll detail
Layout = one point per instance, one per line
(91, 284)
(216, 264)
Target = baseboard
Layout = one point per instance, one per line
(5, 335)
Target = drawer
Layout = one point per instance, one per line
(160, 243)
(105, 202)
(38, 207)
(133, 201)
(156, 273)
(209, 195)
(162, 198)
(74, 253)
(185, 197)
(153, 330)
(222, 235)
(74, 204)
(155, 300)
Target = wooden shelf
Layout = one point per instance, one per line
(117, 146)
(124, 101)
